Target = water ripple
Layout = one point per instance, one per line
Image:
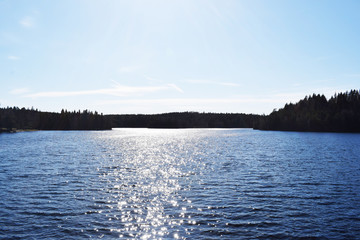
(179, 184)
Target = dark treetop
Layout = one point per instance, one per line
(341, 113)
(15, 118)
(186, 120)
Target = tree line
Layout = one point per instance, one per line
(12, 118)
(185, 120)
(341, 113)
(15, 118)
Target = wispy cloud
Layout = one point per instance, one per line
(204, 81)
(152, 79)
(176, 87)
(14, 58)
(117, 90)
(27, 22)
(155, 80)
(19, 91)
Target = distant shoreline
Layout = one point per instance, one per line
(15, 130)
(315, 113)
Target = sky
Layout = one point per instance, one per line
(157, 56)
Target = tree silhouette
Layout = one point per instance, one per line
(341, 113)
(15, 118)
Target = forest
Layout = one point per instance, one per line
(341, 113)
(315, 113)
(13, 119)
(185, 120)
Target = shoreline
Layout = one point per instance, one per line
(15, 130)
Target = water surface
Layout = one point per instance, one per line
(179, 184)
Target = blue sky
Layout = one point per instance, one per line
(183, 55)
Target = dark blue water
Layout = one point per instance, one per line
(177, 184)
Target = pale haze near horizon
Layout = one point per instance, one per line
(172, 56)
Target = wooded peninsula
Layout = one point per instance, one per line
(340, 113)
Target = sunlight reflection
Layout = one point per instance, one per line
(144, 180)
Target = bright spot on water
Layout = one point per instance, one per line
(144, 172)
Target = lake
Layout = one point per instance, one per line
(179, 184)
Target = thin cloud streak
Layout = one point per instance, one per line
(176, 87)
(204, 81)
(172, 85)
(14, 58)
(27, 22)
(118, 90)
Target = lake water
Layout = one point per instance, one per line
(177, 184)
